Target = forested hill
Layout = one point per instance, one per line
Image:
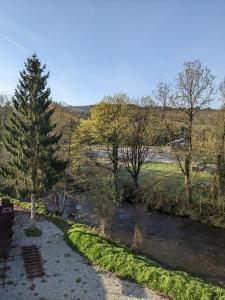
(82, 111)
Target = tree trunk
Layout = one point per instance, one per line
(56, 200)
(104, 226)
(116, 184)
(221, 166)
(221, 174)
(188, 188)
(64, 198)
(115, 160)
(33, 212)
(135, 179)
(187, 179)
(138, 229)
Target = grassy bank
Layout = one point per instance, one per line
(126, 264)
(165, 190)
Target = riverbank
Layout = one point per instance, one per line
(68, 275)
(164, 189)
(118, 259)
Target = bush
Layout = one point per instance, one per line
(40, 208)
(32, 232)
(131, 194)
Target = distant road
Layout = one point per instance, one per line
(153, 156)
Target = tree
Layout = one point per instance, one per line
(194, 90)
(137, 137)
(221, 144)
(5, 109)
(105, 127)
(29, 137)
(5, 103)
(103, 193)
(67, 123)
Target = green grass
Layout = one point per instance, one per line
(168, 180)
(165, 179)
(113, 257)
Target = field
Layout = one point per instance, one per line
(167, 179)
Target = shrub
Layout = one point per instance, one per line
(33, 232)
(40, 208)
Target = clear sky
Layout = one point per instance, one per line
(98, 47)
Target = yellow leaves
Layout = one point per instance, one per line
(106, 121)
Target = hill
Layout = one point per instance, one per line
(82, 111)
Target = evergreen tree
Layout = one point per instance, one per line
(29, 136)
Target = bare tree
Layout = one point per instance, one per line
(221, 144)
(67, 123)
(194, 89)
(137, 137)
(137, 141)
(102, 192)
(5, 104)
(5, 109)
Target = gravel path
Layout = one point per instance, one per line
(68, 275)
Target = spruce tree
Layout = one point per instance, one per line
(29, 136)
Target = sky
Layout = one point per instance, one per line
(95, 48)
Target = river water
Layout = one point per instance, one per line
(175, 242)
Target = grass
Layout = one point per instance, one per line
(165, 179)
(32, 232)
(113, 257)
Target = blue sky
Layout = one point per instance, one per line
(98, 47)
